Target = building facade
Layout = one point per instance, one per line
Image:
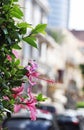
(59, 13)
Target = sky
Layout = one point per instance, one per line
(76, 20)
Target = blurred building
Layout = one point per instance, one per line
(70, 53)
(58, 13)
(57, 62)
(79, 34)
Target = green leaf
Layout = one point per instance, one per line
(17, 62)
(15, 0)
(16, 12)
(24, 25)
(21, 72)
(5, 30)
(16, 46)
(16, 82)
(40, 97)
(1, 20)
(40, 28)
(12, 101)
(30, 41)
(8, 39)
(23, 30)
(7, 74)
(6, 2)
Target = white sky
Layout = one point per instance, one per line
(76, 20)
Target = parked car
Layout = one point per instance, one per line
(22, 121)
(68, 121)
(47, 107)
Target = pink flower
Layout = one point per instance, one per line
(33, 65)
(17, 91)
(19, 103)
(15, 53)
(17, 107)
(32, 74)
(9, 58)
(47, 80)
(30, 103)
(32, 77)
(6, 98)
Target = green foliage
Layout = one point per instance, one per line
(24, 25)
(40, 97)
(39, 28)
(80, 105)
(82, 68)
(31, 41)
(11, 34)
(16, 12)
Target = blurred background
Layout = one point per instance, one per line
(60, 52)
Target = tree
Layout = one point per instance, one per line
(81, 66)
(12, 74)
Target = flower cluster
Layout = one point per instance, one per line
(30, 101)
(17, 92)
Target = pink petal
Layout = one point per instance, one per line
(18, 89)
(17, 108)
(6, 98)
(15, 53)
(32, 113)
(9, 58)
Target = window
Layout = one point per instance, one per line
(60, 76)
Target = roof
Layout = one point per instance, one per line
(78, 34)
